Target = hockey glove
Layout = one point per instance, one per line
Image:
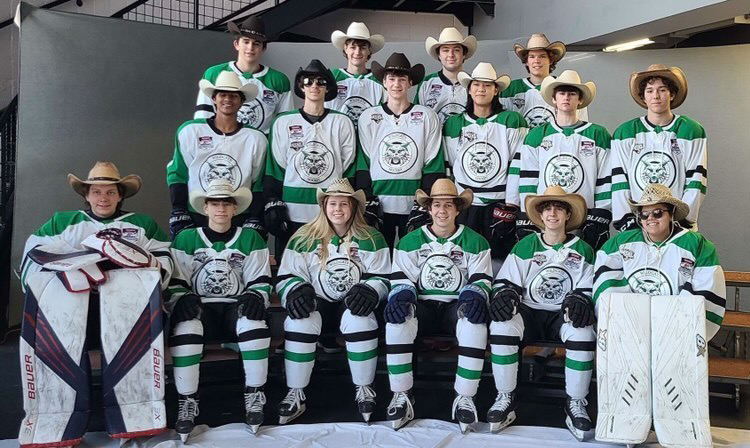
(504, 304)
(418, 217)
(503, 220)
(524, 226)
(188, 307)
(401, 303)
(472, 304)
(277, 218)
(578, 309)
(179, 220)
(301, 301)
(628, 222)
(373, 213)
(255, 224)
(595, 231)
(251, 305)
(361, 299)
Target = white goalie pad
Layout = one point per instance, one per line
(109, 242)
(623, 368)
(679, 359)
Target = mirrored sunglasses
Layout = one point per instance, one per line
(307, 82)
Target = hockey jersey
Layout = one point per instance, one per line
(68, 229)
(685, 264)
(219, 271)
(525, 98)
(577, 159)
(480, 151)
(355, 93)
(673, 155)
(398, 151)
(440, 267)
(307, 155)
(202, 153)
(547, 273)
(274, 96)
(441, 95)
(349, 261)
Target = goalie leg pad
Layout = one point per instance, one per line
(679, 359)
(132, 353)
(623, 368)
(361, 336)
(54, 363)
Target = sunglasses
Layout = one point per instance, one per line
(656, 213)
(308, 82)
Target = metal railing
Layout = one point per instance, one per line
(196, 14)
(8, 139)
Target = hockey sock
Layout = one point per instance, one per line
(579, 358)
(300, 337)
(361, 335)
(254, 339)
(472, 343)
(505, 338)
(186, 348)
(399, 339)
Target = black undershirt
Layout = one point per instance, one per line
(216, 237)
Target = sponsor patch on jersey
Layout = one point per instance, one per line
(440, 273)
(546, 145)
(587, 148)
(481, 162)
(354, 253)
(431, 102)
(236, 260)
(655, 167)
(296, 145)
(518, 102)
(342, 89)
(675, 147)
(686, 267)
(457, 255)
(626, 254)
(205, 142)
(377, 118)
(637, 148)
(700, 344)
(130, 234)
(200, 257)
(269, 97)
(651, 282)
(424, 253)
(314, 163)
(295, 131)
(416, 116)
(537, 116)
(252, 113)
(469, 136)
(550, 285)
(435, 90)
(566, 171)
(354, 106)
(338, 276)
(573, 261)
(220, 166)
(397, 153)
(539, 259)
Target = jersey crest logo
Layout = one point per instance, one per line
(216, 278)
(626, 254)
(655, 168)
(566, 171)
(546, 145)
(518, 102)
(440, 273)
(700, 344)
(338, 276)
(537, 116)
(354, 106)
(205, 142)
(539, 259)
(296, 145)
(431, 102)
(686, 267)
(295, 131)
(314, 163)
(398, 153)
(675, 147)
(252, 114)
(650, 282)
(132, 235)
(457, 256)
(469, 136)
(377, 118)
(481, 162)
(587, 149)
(550, 285)
(449, 109)
(573, 261)
(220, 166)
(269, 97)
(416, 117)
(236, 260)
(637, 148)
(342, 88)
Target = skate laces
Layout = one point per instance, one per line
(293, 398)
(464, 403)
(577, 407)
(401, 400)
(188, 409)
(254, 401)
(502, 401)
(365, 393)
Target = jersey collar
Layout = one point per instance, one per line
(312, 119)
(471, 118)
(209, 243)
(352, 75)
(241, 74)
(570, 239)
(569, 131)
(656, 128)
(390, 112)
(530, 84)
(118, 216)
(212, 124)
(431, 236)
(445, 79)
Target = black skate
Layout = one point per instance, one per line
(255, 399)
(187, 410)
(464, 411)
(401, 410)
(292, 406)
(503, 412)
(577, 419)
(365, 398)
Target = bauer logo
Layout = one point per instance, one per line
(481, 162)
(338, 276)
(397, 153)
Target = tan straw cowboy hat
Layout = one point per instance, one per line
(448, 36)
(556, 193)
(221, 189)
(445, 189)
(675, 74)
(106, 173)
(358, 31)
(539, 41)
(568, 78)
(660, 194)
(342, 187)
(228, 81)
(484, 71)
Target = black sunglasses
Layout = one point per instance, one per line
(307, 82)
(656, 213)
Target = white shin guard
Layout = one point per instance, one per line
(361, 336)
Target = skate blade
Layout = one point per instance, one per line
(580, 435)
(400, 423)
(499, 426)
(284, 419)
(366, 417)
(464, 427)
(184, 438)
(253, 429)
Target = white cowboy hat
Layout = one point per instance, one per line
(106, 173)
(445, 189)
(576, 202)
(221, 189)
(675, 74)
(228, 81)
(342, 187)
(539, 41)
(484, 71)
(450, 35)
(660, 194)
(568, 78)
(358, 31)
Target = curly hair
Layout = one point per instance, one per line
(646, 81)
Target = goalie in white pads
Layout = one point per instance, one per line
(333, 276)
(543, 291)
(219, 292)
(441, 282)
(63, 311)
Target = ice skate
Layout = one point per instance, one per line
(401, 410)
(186, 413)
(292, 406)
(255, 399)
(503, 412)
(365, 398)
(577, 419)
(464, 411)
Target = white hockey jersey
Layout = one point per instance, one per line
(349, 262)
(525, 98)
(398, 151)
(304, 156)
(547, 273)
(441, 95)
(355, 93)
(685, 264)
(439, 267)
(274, 96)
(202, 153)
(673, 155)
(480, 151)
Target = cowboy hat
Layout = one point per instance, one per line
(228, 81)
(317, 69)
(568, 78)
(675, 74)
(660, 194)
(450, 35)
(253, 27)
(556, 193)
(539, 41)
(342, 187)
(106, 173)
(398, 62)
(221, 189)
(358, 31)
(445, 189)
(484, 71)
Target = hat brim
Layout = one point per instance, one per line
(555, 49)
(235, 30)
(358, 195)
(250, 90)
(331, 90)
(243, 196)
(681, 209)
(466, 197)
(501, 82)
(415, 73)
(547, 90)
(131, 183)
(470, 43)
(577, 209)
(675, 74)
(339, 38)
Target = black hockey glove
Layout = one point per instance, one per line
(628, 222)
(251, 305)
(276, 218)
(418, 217)
(179, 220)
(504, 304)
(401, 302)
(188, 307)
(361, 299)
(503, 220)
(524, 226)
(301, 301)
(373, 213)
(472, 304)
(255, 224)
(578, 309)
(596, 233)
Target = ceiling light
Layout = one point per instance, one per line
(628, 45)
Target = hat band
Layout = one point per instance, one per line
(398, 69)
(253, 32)
(113, 179)
(330, 192)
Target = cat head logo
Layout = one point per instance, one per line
(398, 153)
(439, 272)
(220, 166)
(650, 282)
(481, 162)
(314, 163)
(538, 116)
(566, 171)
(251, 113)
(354, 106)
(216, 278)
(655, 168)
(338, 277)
(550, 285)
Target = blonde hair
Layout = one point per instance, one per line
(320, 231)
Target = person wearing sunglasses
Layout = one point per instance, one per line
(662, 258)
